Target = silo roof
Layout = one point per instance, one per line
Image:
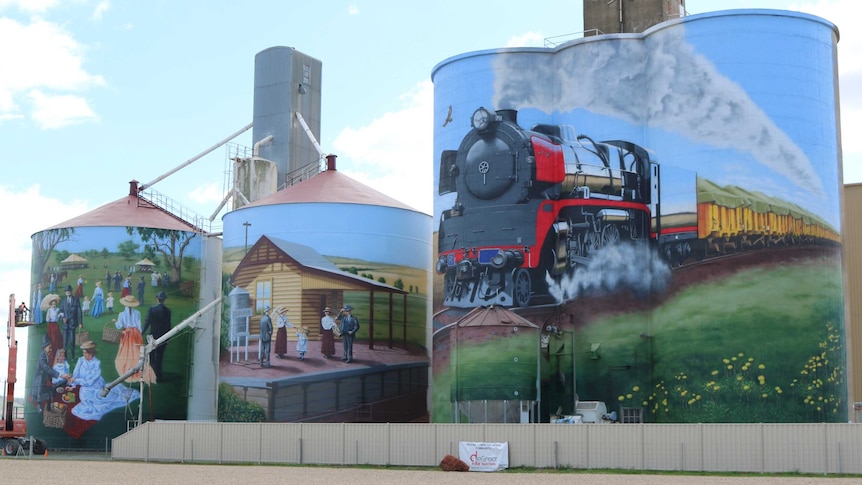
(331, 187)
(128, 211)
(493, 315)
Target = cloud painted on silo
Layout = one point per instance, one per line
(659, 82)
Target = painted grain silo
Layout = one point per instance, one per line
(494, 361)
(96, 278)
(330, 242)
(670, 198)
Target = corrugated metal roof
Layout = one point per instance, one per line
(330, 186)
(128, 211)
(493, 315)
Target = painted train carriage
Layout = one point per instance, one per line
(732, 219)
(533, 204)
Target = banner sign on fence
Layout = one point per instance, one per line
(484, 457)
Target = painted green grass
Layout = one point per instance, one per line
(762, 345)
(759, 346)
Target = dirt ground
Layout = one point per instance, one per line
(102, 471)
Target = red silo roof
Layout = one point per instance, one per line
(128, 211)
(331, 187)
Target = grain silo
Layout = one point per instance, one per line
(102, 271)
(330, 241)
(678, 205)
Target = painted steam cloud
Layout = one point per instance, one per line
(613, 268)
(657, 81)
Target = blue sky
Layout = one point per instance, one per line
(96, 93)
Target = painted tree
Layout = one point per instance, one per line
(43, 246)
(171, 243)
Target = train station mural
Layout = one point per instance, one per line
(296, 263)
(665, 212)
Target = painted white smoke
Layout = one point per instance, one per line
(638, 269)
(657, 81)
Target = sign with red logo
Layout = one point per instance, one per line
(484, 457)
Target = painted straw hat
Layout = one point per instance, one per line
(129, 301)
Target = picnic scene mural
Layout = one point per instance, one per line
(98, 292)
(326, 293)
(666, 217)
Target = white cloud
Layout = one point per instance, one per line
(529, 39)
(352, 9)
(29, 6)
(57, 111)
(100, 10)
(207, 194)
(48, 60)
(389, 153)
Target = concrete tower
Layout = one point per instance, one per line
(628, 16)
(286, 83)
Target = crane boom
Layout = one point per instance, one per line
(13, 433)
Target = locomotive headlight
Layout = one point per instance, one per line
(481, 119)
(504, 259)
(500, 259)
(442, 265)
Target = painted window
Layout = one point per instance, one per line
(262, 295)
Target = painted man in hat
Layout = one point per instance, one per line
(159, 323)
(265, 337)
(70, 307)
(42, 388)
(349, 325)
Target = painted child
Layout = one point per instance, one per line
(109, 302)
(62, 368)
(302, 341)
(85, 305)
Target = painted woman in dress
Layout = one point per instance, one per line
(129, 353)
(88, 375)
(281, 324)
(36, 301)
(98, 305)
(79, 290)
(327, 340)
(53, 316)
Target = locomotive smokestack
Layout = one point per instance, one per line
(133, 188)
(330, 162)
(508, 115)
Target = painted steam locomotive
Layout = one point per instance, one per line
(533, 205)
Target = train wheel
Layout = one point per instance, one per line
(521, 287)
(610, 235)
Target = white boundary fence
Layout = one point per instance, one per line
(758, 448)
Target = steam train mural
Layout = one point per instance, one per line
(533, 205)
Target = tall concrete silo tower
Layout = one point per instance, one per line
(626, 16)
(287, 92)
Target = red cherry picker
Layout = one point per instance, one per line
(13, 428)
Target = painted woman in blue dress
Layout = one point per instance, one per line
(37, 299)
(88, 375)
(98, 305)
